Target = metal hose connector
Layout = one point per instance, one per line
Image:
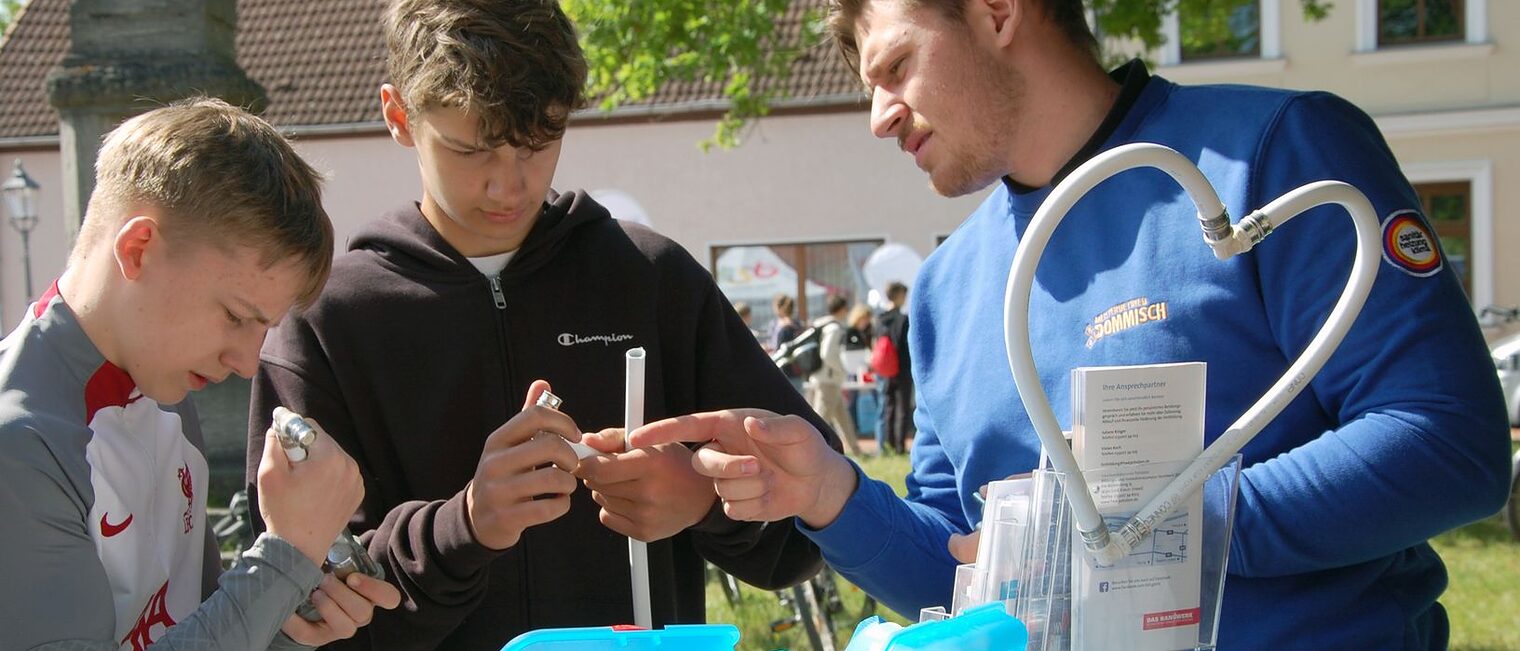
(1215, 228)
(1255, 227)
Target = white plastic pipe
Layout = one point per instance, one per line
(638, 551)
(1304, 368)
(1226, 242)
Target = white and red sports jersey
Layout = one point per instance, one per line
(147, 519)
(102, 498)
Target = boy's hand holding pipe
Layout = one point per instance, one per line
(645, 493)
(345, 606)
(307, 502)
(338, 607)
(523, 477)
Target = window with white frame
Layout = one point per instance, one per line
(1383, 24)
(1457, 199)
(1448, 207)
(1228, 29)
(1403, 22)
(1220, 30)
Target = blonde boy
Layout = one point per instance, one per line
(203, 230)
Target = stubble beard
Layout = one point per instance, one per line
(983, 162)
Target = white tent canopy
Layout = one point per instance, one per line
(890, 262)
(622, 205)
(755, 275)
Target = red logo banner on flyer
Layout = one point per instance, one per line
(1171, 619)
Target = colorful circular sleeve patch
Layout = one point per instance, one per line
(1409, 245)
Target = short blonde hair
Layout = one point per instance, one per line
(220, 176)
(514, 64)
(858, 312)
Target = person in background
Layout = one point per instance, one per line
(747, 316)
(785, 328)
(826, 385)
(857, 334)
(896, 427)
(857, 355)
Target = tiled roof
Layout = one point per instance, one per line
(322, 61)
(36, 42)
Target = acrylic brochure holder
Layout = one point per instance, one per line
(1030, 570)
(1064, 540)
(1019, 593)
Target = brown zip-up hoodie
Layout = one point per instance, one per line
(411, 357)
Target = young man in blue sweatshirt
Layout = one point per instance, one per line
(1400, 437)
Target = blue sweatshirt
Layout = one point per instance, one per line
(1400, 437)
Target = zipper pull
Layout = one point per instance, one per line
(496, 293)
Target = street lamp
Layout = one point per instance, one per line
(20, 193)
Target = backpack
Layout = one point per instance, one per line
(884, 361)
(800, 357)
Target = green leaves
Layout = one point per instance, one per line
(8, 11)
(746, 47)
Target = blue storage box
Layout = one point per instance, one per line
(699, 637)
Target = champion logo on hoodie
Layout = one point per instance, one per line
(568, 339)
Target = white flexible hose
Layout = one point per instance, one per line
(1106, 548)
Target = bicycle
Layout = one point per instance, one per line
(233, 528)
(812, 608)
(727, 584)
(1512, 506)
(1507, 361)
(1502, 315)
(817, 604)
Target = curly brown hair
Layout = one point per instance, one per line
(514, 63)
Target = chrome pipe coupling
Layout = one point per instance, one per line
(1256, 227)
(1216, 228)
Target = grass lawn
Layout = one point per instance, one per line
(1483, 598)
(757, 609)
